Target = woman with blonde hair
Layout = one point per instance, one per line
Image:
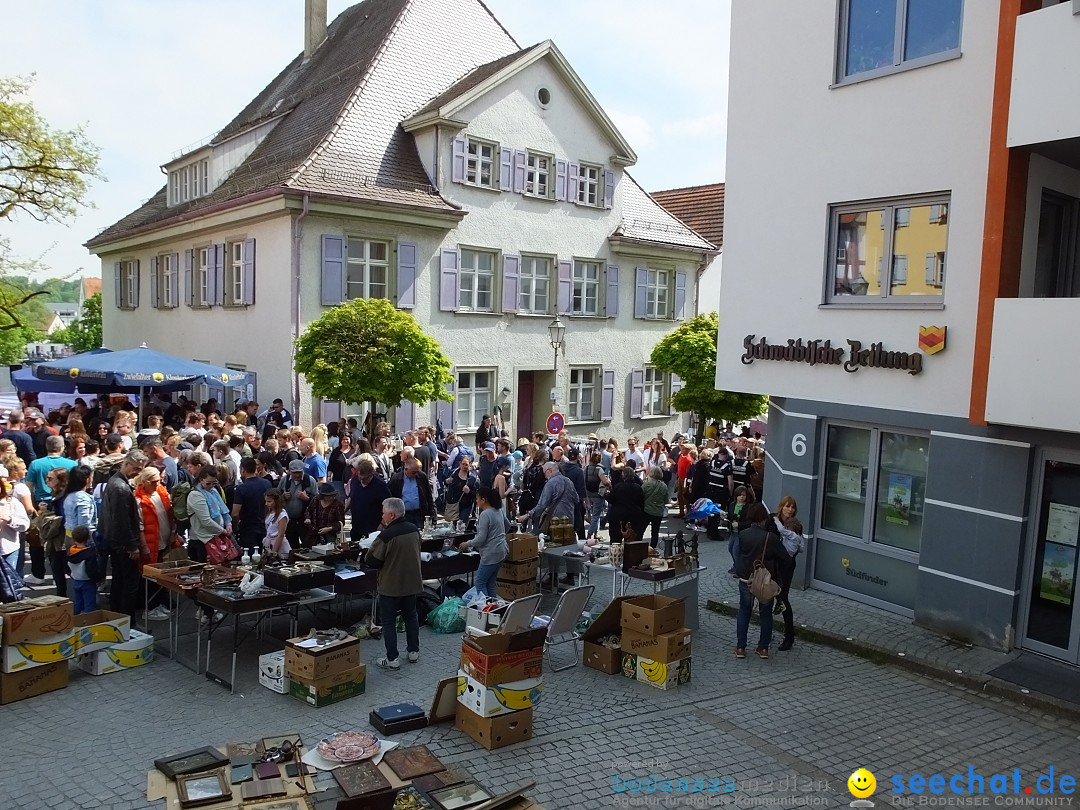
(321, 437)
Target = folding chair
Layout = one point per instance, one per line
(519, 614)
(564, 619)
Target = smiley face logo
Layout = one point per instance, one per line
(862, 784)
(157, 377)
(73, 373)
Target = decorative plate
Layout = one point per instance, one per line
(348, 746)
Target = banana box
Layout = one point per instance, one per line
(663, 675)
(503, 698)
(35, 619)
(100, 630)
(45, 650)
(137, 651)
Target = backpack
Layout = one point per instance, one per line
(592, 478)
(50, 527)
(103, 472)
(179, 498)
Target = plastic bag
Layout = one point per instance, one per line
(446, 617)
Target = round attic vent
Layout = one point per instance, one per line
(543, 95)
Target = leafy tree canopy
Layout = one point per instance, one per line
(690, 352)
(368, 351)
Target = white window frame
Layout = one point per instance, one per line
(129, 273)
(473, 401)
(205, 166)
(174, 186)
(367, 263)
(584, 384)
(658, 293)
(538, 175)
(201, 272)
(469, 276)
(582, 285)
(590, 185)
(655, 381)
(475, 161)
(234, 273)
(166, 273)
(528, 276)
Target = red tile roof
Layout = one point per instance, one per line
(91, 286)
(700, 207)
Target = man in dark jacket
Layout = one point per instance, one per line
(24, 445)
(412, 487)
(119, 526)
(364, 499)
(396, 555)
(758, 543)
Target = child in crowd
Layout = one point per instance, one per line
(83, 563)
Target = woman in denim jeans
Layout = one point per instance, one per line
(757, 543)
(490, 540)
(596, 484)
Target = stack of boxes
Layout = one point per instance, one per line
(499, 684)
(655, 644)
(518, 575)
(321, 674)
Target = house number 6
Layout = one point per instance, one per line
(798, 444)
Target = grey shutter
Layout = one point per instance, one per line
(560, 179)
(138, 281)
(680, 296)
(609, 189)
(189, 287)
(931, 268)
(406, 275)
(249, 272)
(445, 411)
(565, 282)
(155, 288)
(641, 289)
(676, 387)
(519, 171)
(903, 217)
(573, 182)
(217, 277)
(448, 281)
(506, 169)
(899, 275)
(174, 281)
(935, 214)
(118, 284)
(611, 301)
(607, 394)
(333, 270)
(457, 162)
(511, 272)
(637, 391)
(404, 417)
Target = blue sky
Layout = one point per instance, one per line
(149, 78)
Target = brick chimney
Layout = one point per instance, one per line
(314, 26)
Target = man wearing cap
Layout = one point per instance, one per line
(34, 425)
(299, 489)
(485, 468)
(249, 506)
(325, 517)
(411, 486)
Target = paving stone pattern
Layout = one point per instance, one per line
(787, 731)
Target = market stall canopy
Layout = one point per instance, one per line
(24, 379)
(136, 368)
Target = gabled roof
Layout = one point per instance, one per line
(90, 287)
(645, 220)
(700, 207)
(446, 105)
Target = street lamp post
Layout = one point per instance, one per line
(556, 333)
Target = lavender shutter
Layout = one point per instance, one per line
(404, 417)
(519, 171)
(506, 169)
(249, 272)
(680, 296)
(511, 270)
(560, 179)
(217, 295)
(174, 281)
(333, 270)
(458, 161)
(573, 183)
(155, 301)
(612, 299)
(609, 189)
(565, 287)
(676, 387)
(445, 411)
(637, 391)
(189, 288)
(448, 281)
(138, 281)
(406, 275)
(118, 284)
(607, 394)
(641, 289)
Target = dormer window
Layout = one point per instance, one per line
(189, 182)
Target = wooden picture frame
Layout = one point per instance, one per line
(361, 779)
(203, 787)
(504, 799)
(282, 803)
(409, 763)
(459, 797)
(444, 705)
(201, 759)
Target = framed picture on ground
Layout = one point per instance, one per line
(201, 759)
(209, 787)
(467, 794)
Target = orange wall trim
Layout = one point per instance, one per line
(1003, 225)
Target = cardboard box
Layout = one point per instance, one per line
(666, 647)
(523, 571)
(495, 732)
(490, 701)
(664, 676)
(521, 547)
(100, 629)
(35, 619)
(29, 683)
(491, 670)
(323, 692)
(594, 654)
(27, 654)
(653, 615)
(628, 665)
(515, 590)
(498, 643)
(482, 620)
(314, 663)
(137, 651)
(272, 672)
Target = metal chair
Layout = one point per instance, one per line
(562, 628)
(519, 614)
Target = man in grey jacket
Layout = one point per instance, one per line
(119, 526)
(559, 494)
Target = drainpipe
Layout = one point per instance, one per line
(298, 241)
(437, 181)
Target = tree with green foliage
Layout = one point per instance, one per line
(84, 333)
(690, 352)
(368, 351)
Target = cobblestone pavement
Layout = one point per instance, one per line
(787, 731)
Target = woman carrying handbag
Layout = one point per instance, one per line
(761, 558)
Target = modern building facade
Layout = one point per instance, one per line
(903, 182)
(416, 152)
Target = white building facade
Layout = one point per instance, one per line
(922, 255)
(479, 187)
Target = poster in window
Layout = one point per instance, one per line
(1062, 524)
(849, 481)
(1058, 579)
(898, 509)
